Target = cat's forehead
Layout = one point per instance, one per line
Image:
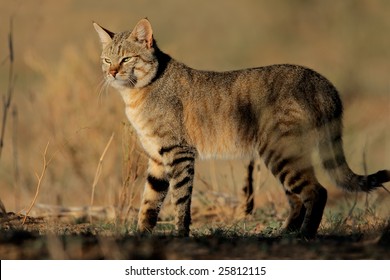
(121, 37)
(120, 45)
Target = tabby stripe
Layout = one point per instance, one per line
(248, 189)
(152, 215)
(191, 171)
(168, 149)
(282, 176)
(183, 182)
(269, 156)
(180, 160)
(183, 199)
(188, 170)
(185, 152)
(291, 132)
(263, 147)
(294, 179)
(283, 125)
(279, 166)
(297, 189)
(161, 132)
(177, 172)
(288, 192)
(158, 185)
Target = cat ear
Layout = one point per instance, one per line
(104, 34)
(143, 33)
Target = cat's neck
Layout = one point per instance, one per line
(163, 61)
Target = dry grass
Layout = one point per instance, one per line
(40, 178)
(58, 98)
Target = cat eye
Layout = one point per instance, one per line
(107, 60)
(127, 59)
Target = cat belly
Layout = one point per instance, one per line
(219, 147)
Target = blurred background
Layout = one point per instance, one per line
(57, 98)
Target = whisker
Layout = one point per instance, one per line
(99, 86)
(131, 80)
(103, 85)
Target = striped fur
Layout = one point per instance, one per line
(279, 112)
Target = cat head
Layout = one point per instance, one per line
(128, 58)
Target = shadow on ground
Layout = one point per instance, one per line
(37, 239)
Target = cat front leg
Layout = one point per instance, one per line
(156, 189)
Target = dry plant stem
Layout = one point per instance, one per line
(15, 155)
(40, 179)
(131, 169)
(99, 170)
(351, 210)
(8, 96)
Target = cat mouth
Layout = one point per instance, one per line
(121, 81)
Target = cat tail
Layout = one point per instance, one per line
(333, 160)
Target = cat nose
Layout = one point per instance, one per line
(113, 72)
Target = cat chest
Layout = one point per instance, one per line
(146, 131)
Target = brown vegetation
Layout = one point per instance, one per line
(57, 97)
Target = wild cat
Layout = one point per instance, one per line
(280, 113)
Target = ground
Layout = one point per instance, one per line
(59, 101)
(39, 238)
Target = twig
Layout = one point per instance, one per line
(15, 155)
(7, 98)
(99, 170)
(40, 179)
